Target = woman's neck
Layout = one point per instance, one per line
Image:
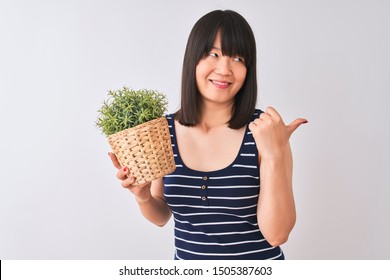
(215, 117)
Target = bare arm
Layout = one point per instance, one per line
(276, 208)
(149, 196)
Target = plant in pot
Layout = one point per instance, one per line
(138, 132)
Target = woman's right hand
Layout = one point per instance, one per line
(142, 192)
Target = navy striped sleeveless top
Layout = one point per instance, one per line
(215, 212)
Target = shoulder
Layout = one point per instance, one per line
(170, 118)
(258, 111)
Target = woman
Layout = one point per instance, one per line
(221, 145)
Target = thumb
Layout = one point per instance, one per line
(295, 124)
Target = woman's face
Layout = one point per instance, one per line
(219, 77)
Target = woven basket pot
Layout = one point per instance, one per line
(145, 149)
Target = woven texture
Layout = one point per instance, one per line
(145, 149)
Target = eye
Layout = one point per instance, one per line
(239, 59)
(213, 54)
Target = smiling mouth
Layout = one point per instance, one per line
(220, 84)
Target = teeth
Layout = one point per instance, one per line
(220, 83)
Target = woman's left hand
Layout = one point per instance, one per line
(271, 134)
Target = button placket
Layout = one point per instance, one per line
(203, 190)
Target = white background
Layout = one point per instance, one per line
(327, 61)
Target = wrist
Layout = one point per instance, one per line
(143, 200)
(276, 155)
(273, 159)
(142, 193)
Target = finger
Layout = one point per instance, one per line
(123, 173)
(267, 119)
(295, 124)
(257, 121)
(254, 123)
(114, 160)
(264, 116)
(272, 112)
(128, 182)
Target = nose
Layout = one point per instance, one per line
(223, 66)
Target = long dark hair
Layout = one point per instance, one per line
(236, 39)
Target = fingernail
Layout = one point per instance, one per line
(306, 121)
(125, 169)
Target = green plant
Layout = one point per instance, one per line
(126, 108)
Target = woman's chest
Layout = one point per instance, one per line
(208, 151)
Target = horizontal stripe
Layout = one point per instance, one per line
(233, 197)
(177, 256)
(244, 166)
(184, 196)
(249, 143)
(211, 207)
(183, 176)
(213, 197)
(218, 233)
(215, 223)
(182, 186)
(234, 176)
(233, 187)
(247, 155)
(273, 258)
(213, 213)
(277, 256)
(220, 244)
(211, 187)
(225, 254)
